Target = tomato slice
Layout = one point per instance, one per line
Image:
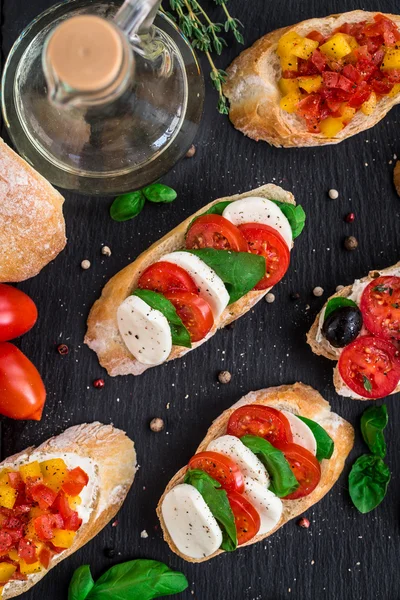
(370, 366)
(247, 519)
(221, 468)
(263, 421)
(305, 468)
(195, 312)
(164, 277)
(380, 307)
(18, 313)
(214, 231)
(266, 241)
(76, 480)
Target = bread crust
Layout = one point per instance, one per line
(32, 227)
(114, 454)
(253, 93)
(322, 350)
(300, 399)
(103, 334)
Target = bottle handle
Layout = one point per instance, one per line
(135, 18)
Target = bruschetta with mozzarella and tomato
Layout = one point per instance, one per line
(198, 278)
(264, 461)
(317, 82)
(57, 497)
(359, 327)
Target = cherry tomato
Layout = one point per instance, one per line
(195, 313)
(214, 231)
(266, 241)
(164, 277)
(305, 468)
(262, 421)
(380, 307)
(221, 468)
(370, 366)
(247, 519)
(22, 393)
(76, 480)
(18, 313)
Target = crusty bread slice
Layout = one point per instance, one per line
(32, 227)
(302, 400)
(103, 334)
(114, 458)
(323, 349)
(253, 93)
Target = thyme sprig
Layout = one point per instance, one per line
(207, 36)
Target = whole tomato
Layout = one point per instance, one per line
(22, 392)
(18, 313)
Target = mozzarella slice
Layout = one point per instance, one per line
(259, 210)
(268, 506)
(245, 459)
(190, 522)
(211, 287)
(145, 331)
(302, 434)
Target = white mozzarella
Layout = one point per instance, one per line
(145, 331)
(245, 459)
(259, 210)
(190, 522)
(302, 434)
(210, 286)
(268, 506)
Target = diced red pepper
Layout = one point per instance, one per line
(27, 551)
(307, 68)
(316, 36)
(76, 480)
(43, 495)
(15, 534)
(351, 73)
(45, 556)
(319, 60)
(44, 525)
(69, 516)
(393, 75)
(5, 540)
(361, 95)
(16, 481)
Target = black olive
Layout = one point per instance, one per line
(342, 326)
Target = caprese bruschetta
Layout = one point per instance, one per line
(264, 461)
(56, 497)
(202, 275)
(359, 327)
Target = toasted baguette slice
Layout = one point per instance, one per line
(103, 334)
(302, 400)
(32, 227)
(113, 457)
(320, 346)
(252, 89)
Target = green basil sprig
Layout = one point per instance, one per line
(368, 481)
(373, 422)
(158, 192)
(240, 271)
(139, 579)
(127, 206)
(217, 501)
(335, 303)
(283, 482)
(325, 444)
(294, 214)
(180, 335)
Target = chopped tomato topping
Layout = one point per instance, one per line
(76, 480)
(43, 495)
(27, 551)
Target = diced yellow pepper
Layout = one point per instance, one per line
(289, 63)
(290, 101)
(8, 496)
(288, 85)
(63, 538)
(331, 126)
(347, 114)
(4, 479)
(30, 470)
(287, 43)
(54, 473)
(13, 554)
(336, 47)
(310, 84)
(74, 501)
(26, 569)
(394, 91)
(391, 60)
(6, 571)
(369, 105)
(304, 48)
(30, 531)
(352, 42)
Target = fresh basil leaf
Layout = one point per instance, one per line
(240, 271)
(294, 214)
(139, 579)
(160, 193)
(368, 481)
(81, 583)
(373, 422)
(325, 444)
(283, 482)
(127, 206)
(335, 303)
(217, 501)
(180, 335)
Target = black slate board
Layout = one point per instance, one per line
(344, 554)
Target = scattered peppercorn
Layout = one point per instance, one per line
(224, 377)
(318, 291)
(191, 152)
(349, 218)
(62, 349)
(106, 251)
(85, 264)
(270, 298)
(156, 424)
(295, 296)
(303, 522)
(350, 243)
(98, 383)
(333, 194)
(109, 552)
